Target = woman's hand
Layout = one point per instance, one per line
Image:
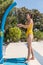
(20, 25)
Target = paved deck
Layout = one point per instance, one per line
(14, 50)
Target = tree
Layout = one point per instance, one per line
(4, 4)
(17, 15)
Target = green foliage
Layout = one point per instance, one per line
(6, 35)
(38, 34)
(11, 22)
(23, 36)
(4, 4)
(15, 34)
(17, 15)
(1, 33)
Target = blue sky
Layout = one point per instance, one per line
(30, 4)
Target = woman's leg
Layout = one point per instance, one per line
(32, 58)
(32, 49)
(29, 47)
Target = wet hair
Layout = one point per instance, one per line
(29, 14)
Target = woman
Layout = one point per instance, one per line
(29, 34)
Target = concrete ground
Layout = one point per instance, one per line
(20, 49)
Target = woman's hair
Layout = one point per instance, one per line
(29, 14)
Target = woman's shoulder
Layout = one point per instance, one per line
(31, 21)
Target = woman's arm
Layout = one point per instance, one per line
(24, 26)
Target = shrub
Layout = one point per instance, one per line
(23, 36)
(15, 34)
(38, 34)
(6, 36)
